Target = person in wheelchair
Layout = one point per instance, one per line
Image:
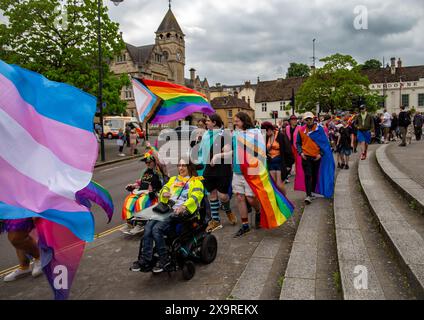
(180, 197)
(144, 194)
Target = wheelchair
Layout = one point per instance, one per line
(188, 243)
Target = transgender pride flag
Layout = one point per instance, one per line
(47, 154)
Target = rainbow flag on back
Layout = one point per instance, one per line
(251, 153)
(176, 102)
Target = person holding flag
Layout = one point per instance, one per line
(46, 183)
(216, 158)
(315, 168)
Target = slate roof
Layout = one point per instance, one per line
(169, 23)
(229, 103)
(412, 73)
(140, 55)
(277, 90)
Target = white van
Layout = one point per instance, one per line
(112, 125)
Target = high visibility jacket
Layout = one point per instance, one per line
(195, 191)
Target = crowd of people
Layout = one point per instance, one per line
(301, 146)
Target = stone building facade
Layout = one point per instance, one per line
(228, 106)
(401, 85)
(164, 61)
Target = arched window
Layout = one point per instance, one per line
(161, 36)
(166, 55)
(168, 35)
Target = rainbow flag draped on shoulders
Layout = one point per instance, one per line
(47, 155)
(326, 174)
(175, 102)
(251, 155)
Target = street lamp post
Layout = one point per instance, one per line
(100, 92)
(100, 97)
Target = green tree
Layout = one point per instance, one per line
(335, 86)
(60, 42)
(298, 70)
(371, 64)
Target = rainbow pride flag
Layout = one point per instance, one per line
(136, 203)
(176, 102)
(145, 101)
(98, 194)
(251, 155)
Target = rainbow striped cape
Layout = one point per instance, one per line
(175, 102)
(251, 155)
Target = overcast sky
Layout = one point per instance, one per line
(230, 41)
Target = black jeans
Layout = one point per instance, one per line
(418, 132)
(310, 168)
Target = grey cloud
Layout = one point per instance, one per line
(237, 40)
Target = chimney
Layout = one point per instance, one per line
(121, 34)
(236, 94)
(393, 65)
(399, 63)
(192, 74)
(259, 80)
(247, 84)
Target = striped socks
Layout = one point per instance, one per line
(215, 210)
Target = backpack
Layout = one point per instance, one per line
(404, 119)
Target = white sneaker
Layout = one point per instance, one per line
(136, 230)
(126, 228)
(37, 268)
(18, 273)
(122, 154)
(316, 195)
(308, 200)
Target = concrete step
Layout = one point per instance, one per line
(252, 281)
(312, 262)
(361, 248)
(411, 189)
(351, 249)
(402, 226)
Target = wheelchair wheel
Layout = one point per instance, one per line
(189, 270)
(209, 249)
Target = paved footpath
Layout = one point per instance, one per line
(409, 160)
(104, 271)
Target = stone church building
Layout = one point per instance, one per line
(164, 61)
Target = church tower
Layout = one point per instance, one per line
(170, 38)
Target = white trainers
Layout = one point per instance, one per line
(136, 230)
(37, 268)
(18, 273)
(126, 228)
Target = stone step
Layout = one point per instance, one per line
(352, 252)
(252, 281)
(412, 190)
(307, 276)
(402, 227)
